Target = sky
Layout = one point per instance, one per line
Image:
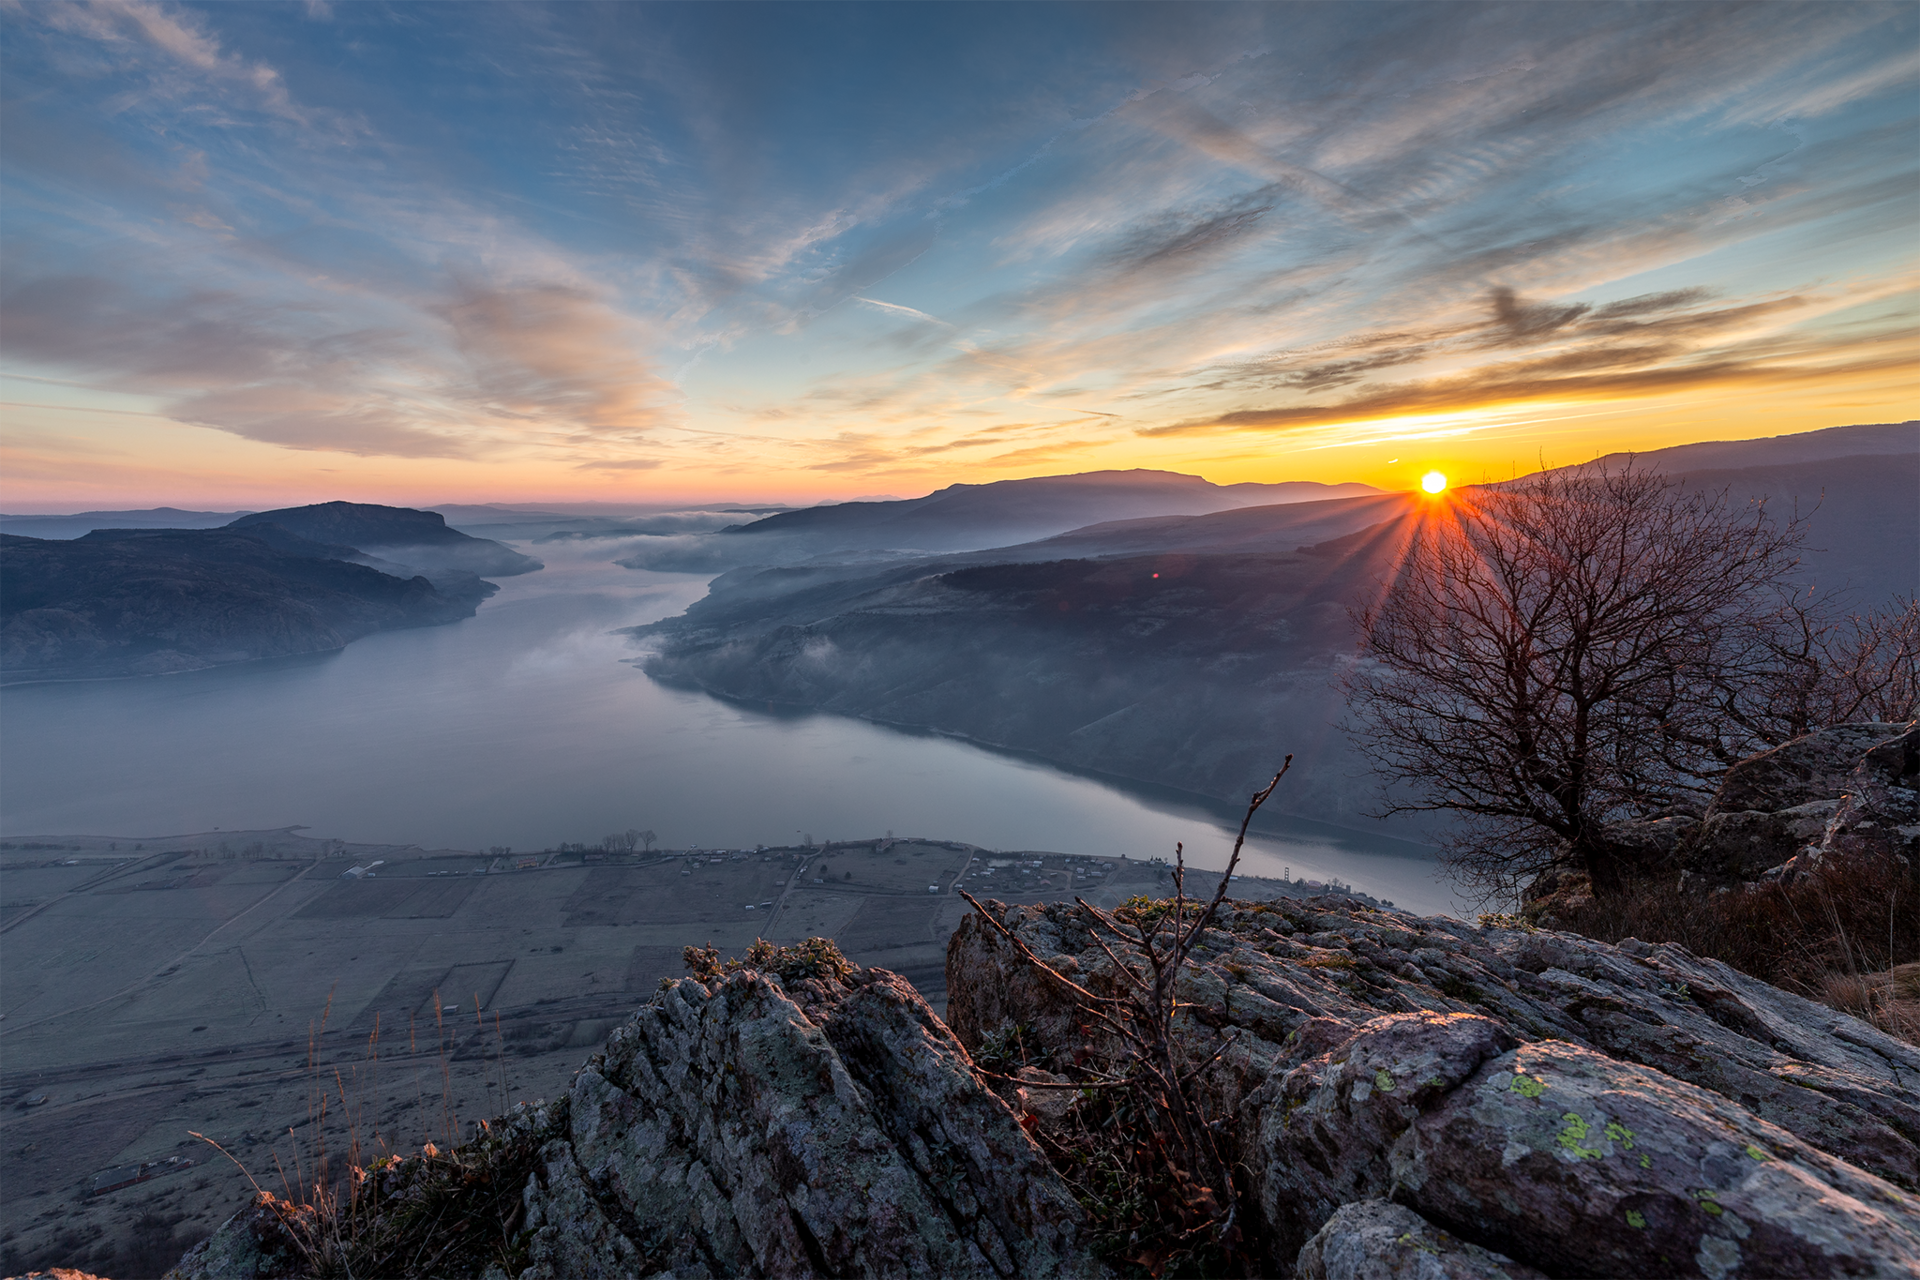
(258, 254)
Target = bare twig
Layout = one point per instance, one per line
(1143, 1020)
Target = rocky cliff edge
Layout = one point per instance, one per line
(1401, 1097)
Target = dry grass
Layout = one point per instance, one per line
(351, 1204)
(1846, 934)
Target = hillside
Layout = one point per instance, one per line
(1184, 651)
(966, 517)
(1193, 672)
(420, 539)
(151, 602)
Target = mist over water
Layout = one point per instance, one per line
(523, 727)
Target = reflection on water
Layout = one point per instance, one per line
(520, 727)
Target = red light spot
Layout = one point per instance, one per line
(1156, 575)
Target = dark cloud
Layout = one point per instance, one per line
(1599, 374)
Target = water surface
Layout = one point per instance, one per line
(524, 727)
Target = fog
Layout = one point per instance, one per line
(528, 725)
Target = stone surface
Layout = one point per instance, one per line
(1353, 1040)
(1848, 790)
(1880, 810)
(1323, 1139)
(1379, 1240)
(1816, 767)
(1404, 1097)
(728, 1130)
(1584, 1165)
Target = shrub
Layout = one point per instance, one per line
(1834, 935)
(814, 958)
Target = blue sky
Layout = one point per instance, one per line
(257, 252)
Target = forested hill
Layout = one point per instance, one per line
(1183, 651)
(419, 539)
(153, 602)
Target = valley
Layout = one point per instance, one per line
(288, 997)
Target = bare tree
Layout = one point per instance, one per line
(1811, 663)
(1546, 659)
(646, 839)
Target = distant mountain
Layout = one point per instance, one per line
(420, 539)
(151, 602)
(1863, 514)
(1775, 451)
(965, 517)
(83, 522)
(1188, 651)
(962, 514)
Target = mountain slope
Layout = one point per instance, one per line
(154, 602)
(420, 539)
(962, 514)
(965, 517)
(1198, 678)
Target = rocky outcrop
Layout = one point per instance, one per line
(1879, 811)
(1403, 1097)
(1780, 805)
(264, 1239)
(1578, 1108)
(728, 1129)
(1847, 790)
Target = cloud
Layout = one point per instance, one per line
(554, 352)
(894, 308)
(134, 28)
(1592, 364)
(490, 369)
(578, 234)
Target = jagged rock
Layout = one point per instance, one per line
(1743, 844)
(1815, 767)
(1379, 1240)
(1323, 1140)
(728, 1130)
(1844, 790)
(1880, 813)
(1518, 1094)
(1324, 1003)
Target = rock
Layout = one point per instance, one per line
(1584, 1165)
(1848, 790)
(1401, 1097)
(1037, 1095)
(1379, 1240)
(1880, 812)
(1317, 1007)
(728, 1130)
(262, 1240)
(1323, 1140)
(1815, 767)
(1742, 845)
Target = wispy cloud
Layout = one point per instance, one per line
(620, 240)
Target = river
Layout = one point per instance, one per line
(527, 726)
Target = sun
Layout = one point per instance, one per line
(1433, 482)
